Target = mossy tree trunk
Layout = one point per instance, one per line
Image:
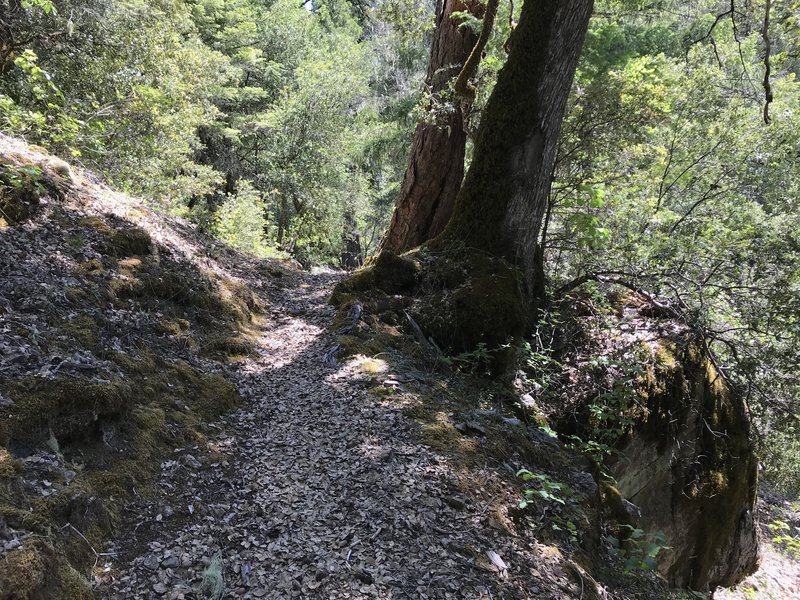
(501, 203)
(436, 162)
(479, 281)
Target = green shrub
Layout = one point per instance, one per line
(240, 222)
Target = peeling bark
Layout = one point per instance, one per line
(436, 163)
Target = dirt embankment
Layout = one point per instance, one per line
(116, 327)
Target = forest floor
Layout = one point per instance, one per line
(318, 488)
(343, 467)
(778, 577)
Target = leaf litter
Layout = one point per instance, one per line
(318, 489)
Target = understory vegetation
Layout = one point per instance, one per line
(278, 127)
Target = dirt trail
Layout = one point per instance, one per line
(315, 489)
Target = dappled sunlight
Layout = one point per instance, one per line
(287, 342)
(400, 300)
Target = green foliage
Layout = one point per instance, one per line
(478, 360)
(123, 86)
(194, 103)
(21, 179)
(669, 179)
(611, 413)
(467, 20)
(545, 488)
(240, 222)
(46, 6)
(537, 354)
(542, 490)
(583, 219)
(785, 538)
(43, 111)
(597, 451)
(780, 449)
(311, 122)
(640, 550)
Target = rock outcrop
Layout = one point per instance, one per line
(690, 469)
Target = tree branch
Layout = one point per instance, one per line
(463, 88)
(767, 67)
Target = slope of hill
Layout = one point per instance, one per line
(116, 324)
(179, 420)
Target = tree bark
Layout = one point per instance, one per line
(501, 204)
(480, 280)
(436, 163)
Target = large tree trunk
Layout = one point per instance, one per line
(500, 206)
(480, 281)
(436, 163)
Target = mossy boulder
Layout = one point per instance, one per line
(166, 285)
(690, 468)
(37, 572)
(17, 206)
(120, 432)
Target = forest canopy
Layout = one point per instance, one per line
(283, 128)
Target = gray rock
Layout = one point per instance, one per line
(191, 462)
(542, 438)
(160, 589)
(151, 563)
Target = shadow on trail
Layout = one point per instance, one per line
(320, 490)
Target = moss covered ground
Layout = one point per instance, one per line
(119, 331)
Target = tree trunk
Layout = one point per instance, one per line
(283, 220)
(500, 206)
(480, 281)
(436, 163)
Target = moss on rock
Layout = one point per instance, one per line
(36, 572)
(64, 407)
(83, 330)
(690, 466)
(10, 467)
(224, 346)
(461, 299)
(22, 574)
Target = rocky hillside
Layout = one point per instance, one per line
(178, 420)
(116, 326)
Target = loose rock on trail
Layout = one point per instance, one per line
(316, 489)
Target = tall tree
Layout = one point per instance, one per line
(501, 204)
(436, 162)
(480, 281)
